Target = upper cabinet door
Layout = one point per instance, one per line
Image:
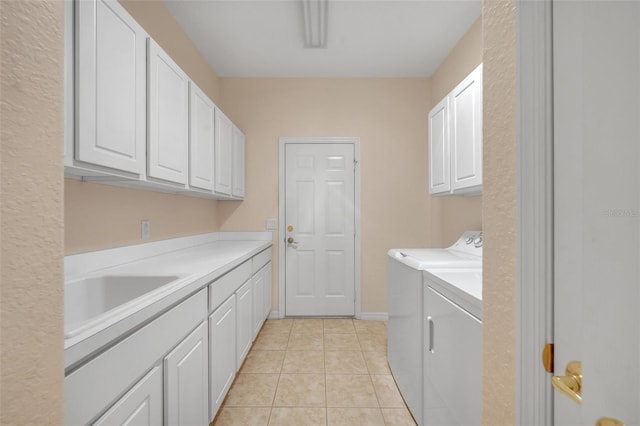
(439, 162)
(466, 132)
(201, 139)
(238, 163)
(223, 153)
(168, 144)
(111, 86)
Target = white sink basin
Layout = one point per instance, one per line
(89, 301)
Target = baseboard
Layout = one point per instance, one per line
(365, 316)
(374, 316)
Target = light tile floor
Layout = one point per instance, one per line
(316, 372)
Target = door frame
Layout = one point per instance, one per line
(534, 399)
(283, 142)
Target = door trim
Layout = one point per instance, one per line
(355, 141)
(534, 400)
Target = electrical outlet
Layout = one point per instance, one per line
(145, 229)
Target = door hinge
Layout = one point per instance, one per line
(355, 164)
(547, 357)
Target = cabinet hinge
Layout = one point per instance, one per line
(547, 357)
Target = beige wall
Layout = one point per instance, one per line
(31, 192)
(459, 213)
(100, 216)
(390, 118)
(499, 213)
(104, 216)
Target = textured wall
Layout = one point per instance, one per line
(389, 116)
(499, 213)
(458, 213)
(31, 185)
(100, 216)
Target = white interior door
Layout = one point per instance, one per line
(596, 48)
(320, 221)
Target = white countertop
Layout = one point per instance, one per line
(197, 260)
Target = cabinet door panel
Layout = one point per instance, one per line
(142, 405)
(466, 132)
(267, 290)
(258, 301)
(238, 163)
(111, 87)
(244, 321)
(439, 160)
(223, 154)
(201, 139)
(222, 352)
(168, 117)
(186, 380)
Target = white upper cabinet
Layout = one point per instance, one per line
(439, 172)
(238, 161)
(466, 134)
(455, 140)
(201, 138)
(223, 154)
(110, 87)
(168, 144)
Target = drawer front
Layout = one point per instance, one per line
(100, 382)
(261, 259)
(225, 286)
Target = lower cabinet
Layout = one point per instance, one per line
(258, 301)
(244, 325)
(126, 384)
(142, 405)
(186, 380)
(222, 352)
(267, 291)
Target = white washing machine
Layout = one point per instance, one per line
(405, 327)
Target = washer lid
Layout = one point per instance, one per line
(462, 286)
(435, 258)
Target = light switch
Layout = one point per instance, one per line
(271, 224)
(145, 229)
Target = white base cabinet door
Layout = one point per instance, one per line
(267, 291)
(186, 380)
(222, 352)
(244, 325)
(168, 145)
(258, 301)
(110, 86)
(142, 405)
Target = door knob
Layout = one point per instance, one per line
(290, 240)
(608, 421)
(571, 383)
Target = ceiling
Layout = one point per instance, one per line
(365, 38)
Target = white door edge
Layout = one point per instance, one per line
(534, 400)
(355, 141)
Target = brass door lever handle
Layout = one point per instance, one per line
(571, 383)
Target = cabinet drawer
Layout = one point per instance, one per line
(225, 286)
(97, 384)
(261, 259)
